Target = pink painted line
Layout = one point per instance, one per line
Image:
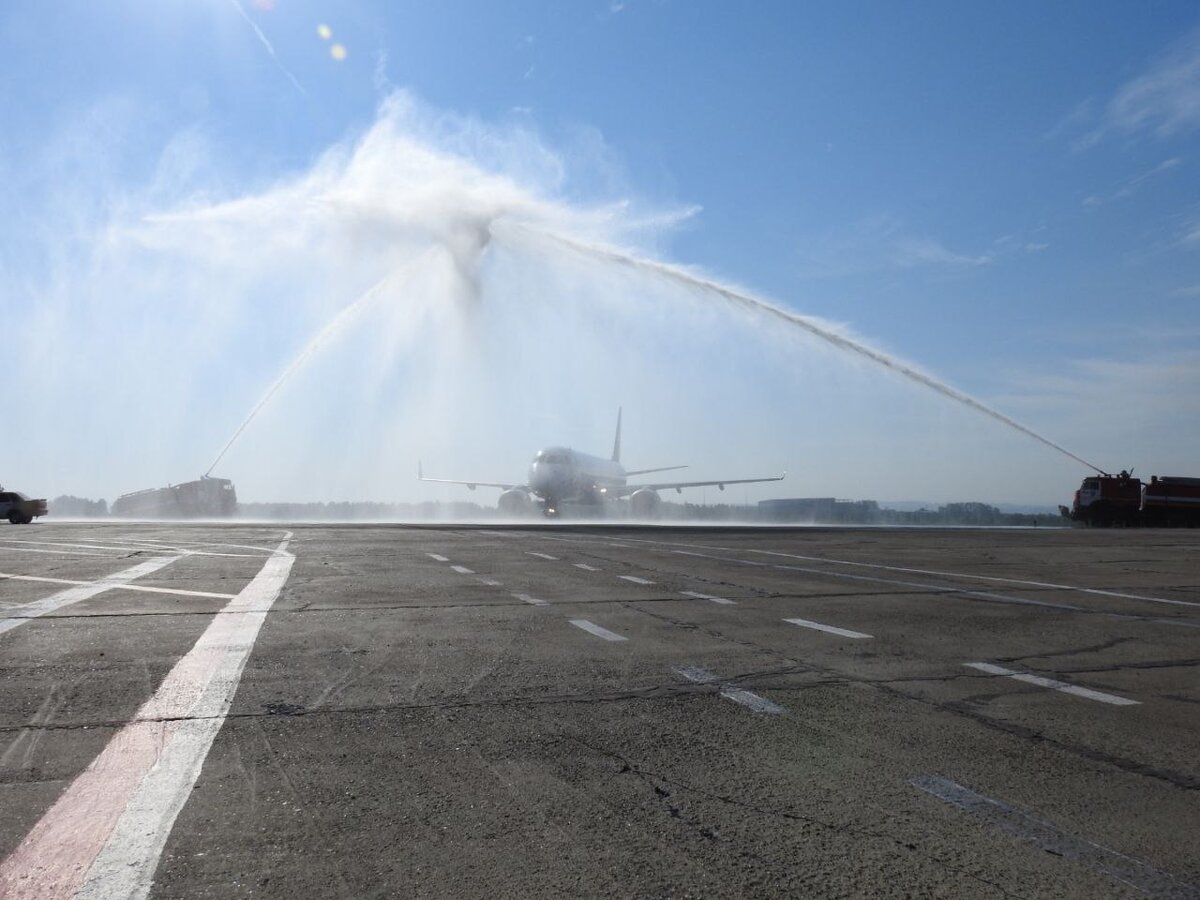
(105, 833)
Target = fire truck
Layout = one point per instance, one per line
(1165, 500)
(205, 498)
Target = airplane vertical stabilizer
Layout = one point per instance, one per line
(616, 457)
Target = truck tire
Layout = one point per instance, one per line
(15, 517)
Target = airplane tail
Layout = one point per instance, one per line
(616, 457)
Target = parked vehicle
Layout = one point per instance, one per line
(19, 509)
(1166, 500)
(205, 498)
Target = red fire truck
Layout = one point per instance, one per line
(1166, 500)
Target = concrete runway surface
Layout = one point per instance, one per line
(238, 710)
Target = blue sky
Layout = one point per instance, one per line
(1006, 194)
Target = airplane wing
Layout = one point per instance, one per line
(680, 485)
(503, 485)
(659, 469)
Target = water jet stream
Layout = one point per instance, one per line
(335, 324)
(737, 298)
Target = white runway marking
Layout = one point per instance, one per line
(438, 557)
(698, 596)
(586, 567)
(111, 549)
(964, 575)
(634, 579)
(542, 555)
(729, 692)
(955, 590)
(1062, 686)
(1045, 836)
(463, 570)
(19, 615)
(120, 587)
(490, 582)
(843, 632)
(533, 600)
(57, 552)
(593, 628)
(1021, 581)
(104, 835)
(743, 562)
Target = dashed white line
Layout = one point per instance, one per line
(695, 595)
(1062, 686)
(746, 698)
(463, 570)
(542, 555)
(532, 600)
(635, 579)
(22, 614)
(586, 567)
(490, 582)
(817, 626)
(437, 557)
(1035, 830)
(593, 628)
(751, 700)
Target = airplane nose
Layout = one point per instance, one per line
(545, 476)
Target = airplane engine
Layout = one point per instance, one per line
(644, 504)
(515, 502)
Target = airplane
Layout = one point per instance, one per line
(560, 475)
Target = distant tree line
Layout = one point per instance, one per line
(363, 509)
(77, 507)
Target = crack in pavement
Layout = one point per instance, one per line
(1090, 648)
(891, 686)
(656, 781)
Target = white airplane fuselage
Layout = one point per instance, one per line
(560, 473)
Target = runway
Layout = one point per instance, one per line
(281, 710)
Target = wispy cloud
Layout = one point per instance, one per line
(883, 242)
(921, 251)
(262, 39)
(1156, 388)
(1164, 100)
(1133, 185)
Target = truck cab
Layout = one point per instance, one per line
(1108, 500)
(19, 509)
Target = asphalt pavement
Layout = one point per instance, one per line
(283, 710)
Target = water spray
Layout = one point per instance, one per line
(335, 324)
(813, 327)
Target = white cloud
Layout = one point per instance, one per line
(921, 251)
(1164, 100)
(1134, 184)
(881, 242)
(1156, 397)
